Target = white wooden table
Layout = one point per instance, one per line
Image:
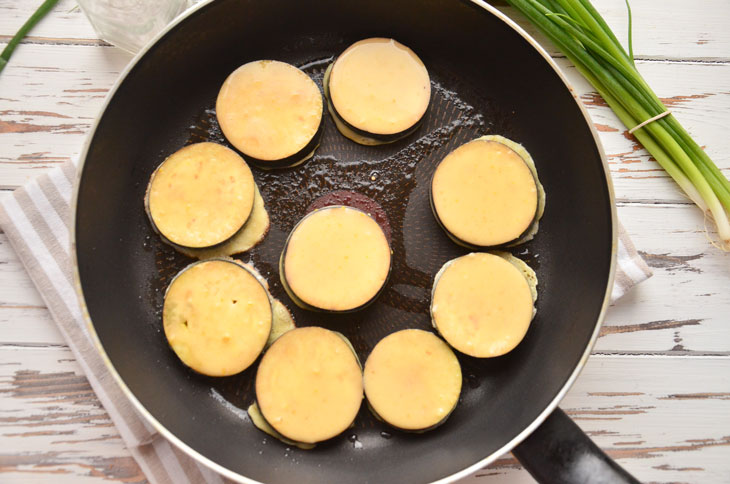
(656, 392)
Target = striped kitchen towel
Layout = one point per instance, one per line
(36, 219)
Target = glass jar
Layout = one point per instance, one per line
(130, 24)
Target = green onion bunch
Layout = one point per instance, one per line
(580, 32)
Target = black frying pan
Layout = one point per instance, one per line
(488, 77)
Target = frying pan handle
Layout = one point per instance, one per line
(558, 451)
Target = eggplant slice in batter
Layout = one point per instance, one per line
(486, 194)
(272, 113)
(200, 196)
(337, 259)
(308, 386)
(482, 303)
(217, 316)
(377, 91)
(412, 380)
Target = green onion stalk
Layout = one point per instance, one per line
(580, 32)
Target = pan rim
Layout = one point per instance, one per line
(234, 476)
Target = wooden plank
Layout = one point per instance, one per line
(667, 422)
(66, 23)
(52, 427)
(668, 29)
(684, 306)
(28, 326)
(682, 309)
(698, 94)
(46, 111)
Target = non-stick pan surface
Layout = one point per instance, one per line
(487, 79)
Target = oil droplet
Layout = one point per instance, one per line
(386, 435)
(473, 381)
(355, 443)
